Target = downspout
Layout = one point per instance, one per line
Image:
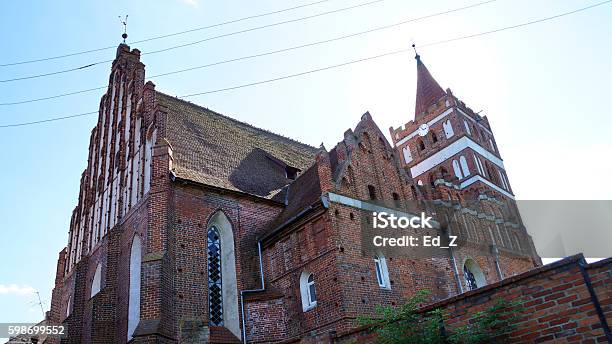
(495, 252)
(243, 292)
(325, 202)
(454, 261)
(455, 271)
(595, 300)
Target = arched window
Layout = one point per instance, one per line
(478, 167)
(470, 280)
(457, 170)
(151, 136)
(448, 129)
(96, 284)
(215, 281)
(505, 176)
(396, 199)
(434, 137)
(421, 145)
(484, 173)
(467, 127)
(492, 145)
(474, 278)
(382, 272)
(502, 180)
(308, 291)
(222, 283)
(464, 166)
(134, 300)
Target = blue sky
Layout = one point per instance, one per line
(544, 88)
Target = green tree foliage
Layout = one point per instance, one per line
(408, 325)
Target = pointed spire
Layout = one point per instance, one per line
(428, 89)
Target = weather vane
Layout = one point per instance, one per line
(416, 55)
(124, 23)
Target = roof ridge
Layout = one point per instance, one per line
(236, 121)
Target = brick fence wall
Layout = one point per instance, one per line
(558, 305)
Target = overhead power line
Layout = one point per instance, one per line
(341, 64)
(385, 27)
(35, 76)
(52, 97)
(48, 120)
(232, 21)
(517, 25)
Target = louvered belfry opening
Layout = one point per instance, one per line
(215, 285)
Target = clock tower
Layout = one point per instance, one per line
(449, 150)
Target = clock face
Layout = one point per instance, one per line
(423, 129)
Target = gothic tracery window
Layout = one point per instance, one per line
(473, 275)
(215, 287)
(470, 280)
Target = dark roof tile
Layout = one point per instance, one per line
(219, 151)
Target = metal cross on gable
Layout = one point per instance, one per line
(124, 23)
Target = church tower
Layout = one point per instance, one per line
(450, 153)
(448, 145)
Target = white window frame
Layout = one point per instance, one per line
(464, 166)
(467, 127)
(381, 271)
(479, 277)
(307, 298)
(96, 283)
(448, 129)
(457, 170)
(407, 154)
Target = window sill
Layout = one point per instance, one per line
(310, 307)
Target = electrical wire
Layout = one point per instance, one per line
(517, 25)
(35, 76)
(48, 120)
(341, 64)
(385, 27)
(232, 21)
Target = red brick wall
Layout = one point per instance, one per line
(191, 211)
(264, 321)
(557, 304)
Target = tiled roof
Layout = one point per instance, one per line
(219, 151)
(299, 195)
(428, 89)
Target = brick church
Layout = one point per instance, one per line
(193, 227)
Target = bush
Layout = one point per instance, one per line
(406, 325)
